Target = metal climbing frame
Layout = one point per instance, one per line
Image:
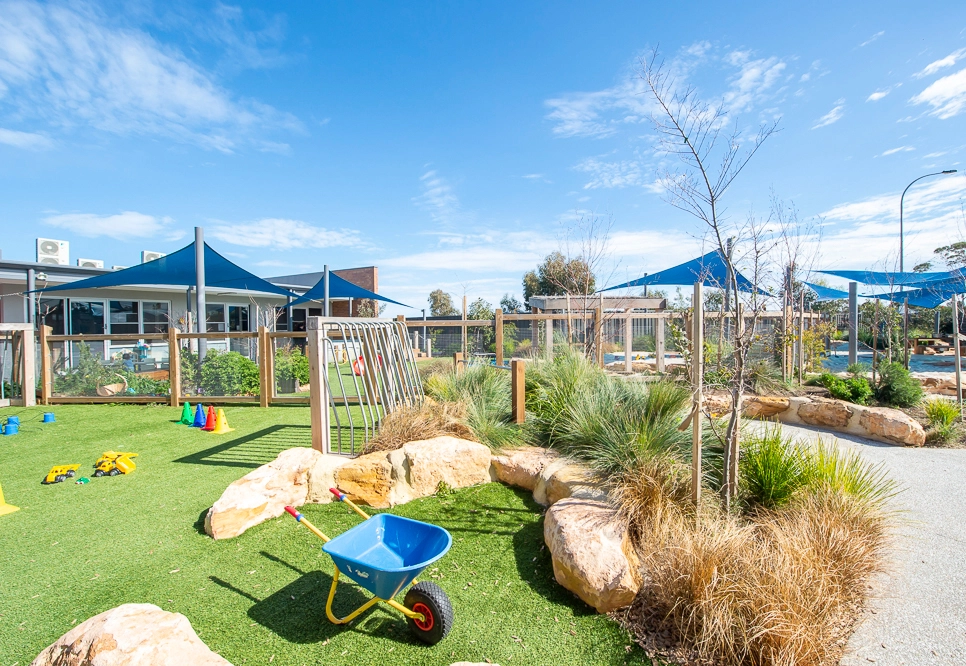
(379, 377)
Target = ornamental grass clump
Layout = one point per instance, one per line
(411, 424)
(943, 418)
(484, 393)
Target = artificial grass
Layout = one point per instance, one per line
(73, 551)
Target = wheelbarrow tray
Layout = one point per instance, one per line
(385, 553)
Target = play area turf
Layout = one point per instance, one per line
(73, 551)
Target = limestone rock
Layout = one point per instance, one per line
(384, 479)
(322, 477)
(458, 463)
(131, 635)
(588, 546)
(892, 425)
(521, 467)
(540, 489)
(367, 479)
(262, 494)
(827, 413)
(764, 406)
(572, 481)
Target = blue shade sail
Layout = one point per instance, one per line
(895, 279)
(178, 269)
(340, 288)
(826, 293)
(709, 269)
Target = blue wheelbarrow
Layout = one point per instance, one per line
(383, 555)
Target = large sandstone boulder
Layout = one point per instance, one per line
(387, 478)
(131, 635)
(573, 480)
(263, 493)
(826, 413)
(590, 548)
(763, 406)
(891, 425)
(543, 480)
(522, 467)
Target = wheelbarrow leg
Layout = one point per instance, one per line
(364, 607)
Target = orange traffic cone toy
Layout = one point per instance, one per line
(221, 425)
(210, 421)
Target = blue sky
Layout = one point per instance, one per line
(454, 144)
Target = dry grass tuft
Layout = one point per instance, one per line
(409, 424)
(780, 589)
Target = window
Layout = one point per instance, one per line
(215, 317)
(124, 317)
(298, 319)
(315, 312)
(154, 316)
(50, 312)
(281, 319)
(86, 317)
(237, 318)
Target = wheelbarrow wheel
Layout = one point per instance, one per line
(430, 600)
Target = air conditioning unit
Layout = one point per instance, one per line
(147, 255)
(51, 251)
(90, 263)
(118, 268)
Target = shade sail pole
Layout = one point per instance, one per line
(201, 317)
(325, 291)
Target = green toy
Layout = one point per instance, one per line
(187, 418)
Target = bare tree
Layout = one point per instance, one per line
(712, 151)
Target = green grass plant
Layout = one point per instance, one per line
(485, 391)
(943, 418)
(73, 551)
(896, 387)
(771, 468)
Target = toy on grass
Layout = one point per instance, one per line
(383, 555)
(14, 420)
(83, 480)
(210, 420)
(4, 507)
(11, 429)
(221, 425)
(112, 463)
(186, 415)
(199, 417)
(60, 473)
(49, 417)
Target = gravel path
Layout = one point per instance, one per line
(917, 615)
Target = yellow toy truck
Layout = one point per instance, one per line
(112, 463)
(60, 473)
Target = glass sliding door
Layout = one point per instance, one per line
(86, 318)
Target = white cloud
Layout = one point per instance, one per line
(754, 79)
(931, 197)
(123, 226)
(946, 96)
(872, 38)
(26, 140)
(438, 198)
(893, 151)
(611, 174)
(937, 65)
(877, 95)
(69, 65)
(832, 116)
(281, 234)
(533, 176)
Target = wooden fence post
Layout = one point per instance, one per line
(318, 389)
(464, 349)
(28, 380)
(458, 362)
(697, 379)
(659, 345)
(174, 367)
(264, 379)
(45, 365)
(518, 390)
(549, 344)
(498, 324)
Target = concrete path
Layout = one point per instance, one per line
(917, 615)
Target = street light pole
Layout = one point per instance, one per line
(902, 267)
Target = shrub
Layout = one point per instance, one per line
(897, 387)
(943, 416)
(764, 377)
(853, 389)
(228, 373)
(830, 469)
(291, 363)
(858, 369)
